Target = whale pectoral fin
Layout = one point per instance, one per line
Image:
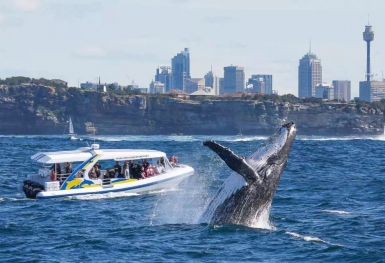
(233, 161)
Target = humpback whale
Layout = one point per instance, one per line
(247, 194)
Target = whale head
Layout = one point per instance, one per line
(248, 192)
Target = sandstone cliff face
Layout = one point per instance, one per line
(34, 109)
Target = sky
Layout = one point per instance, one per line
(126, 40)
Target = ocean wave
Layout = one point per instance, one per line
(101, 196)
(340, 212)
(312, 239)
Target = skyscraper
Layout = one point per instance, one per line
(309, 75)
(342, 90)
(234, 79)
(163, 75)
(180, 69)
(268, 82)
(211, 80)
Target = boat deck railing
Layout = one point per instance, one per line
(62, 177)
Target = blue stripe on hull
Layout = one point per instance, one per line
(110, 190)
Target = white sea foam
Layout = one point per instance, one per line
(340, 212)
(311, 239)
(102, 196)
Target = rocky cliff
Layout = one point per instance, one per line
(37, 109)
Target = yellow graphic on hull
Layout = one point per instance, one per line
(125, 181)
(73, 183)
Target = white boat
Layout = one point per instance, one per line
(43, 186)
(71, 132)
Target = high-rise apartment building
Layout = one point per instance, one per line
(309, 75)
(266, 79)
(164, 75)
(234, 79)
(342, 90)
(180, 66)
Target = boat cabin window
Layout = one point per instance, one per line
(131, 169)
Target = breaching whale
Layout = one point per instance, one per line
(247, 194)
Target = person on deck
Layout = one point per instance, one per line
(150, 171)
(118, 169)
(92, 174)
(68, 168)
(126, 171)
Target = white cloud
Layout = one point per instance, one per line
(1, 18)
(27, 5)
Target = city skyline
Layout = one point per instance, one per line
(81, 41)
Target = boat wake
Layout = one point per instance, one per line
(101, 196)
(312, 239)
(339, 212)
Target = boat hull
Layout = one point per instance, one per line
(158, 182)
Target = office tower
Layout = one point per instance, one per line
(267, 83)
(234, 79)
(342, 90)
(180, 65)
(164, 75)
(212, 81)
(309, 75)
(221, 85)
(157, 87)
(194, 84)
(324, 91)
(256, 85)
(372, 90)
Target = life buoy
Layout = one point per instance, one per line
(53, 176)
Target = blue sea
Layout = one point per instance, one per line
(329, 207)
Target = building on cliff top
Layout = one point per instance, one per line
(178, 94)
(206, 91)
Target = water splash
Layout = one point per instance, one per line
(231, 185)
(262, 219)
(311, 239)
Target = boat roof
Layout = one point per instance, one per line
(84, 153)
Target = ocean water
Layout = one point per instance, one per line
(329, 207)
